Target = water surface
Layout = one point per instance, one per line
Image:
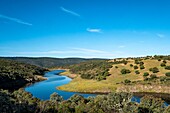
(44, 89)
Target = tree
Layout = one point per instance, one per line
(55, 97)
(167, 74)
(131, 65)
(163, 64)
(167, 67)
(142, 67)
(153, 76)
(135, 67)
(150, 104)
(137, 72)
(146, 74)
(154, 70)
(127, 81)
(125, 71)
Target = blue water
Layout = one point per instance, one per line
(44, 89)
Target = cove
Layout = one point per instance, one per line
(44, 89)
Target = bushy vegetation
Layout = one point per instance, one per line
(15, 74)
(163, 64)
(142, 67)
(23, 102)
(137, 72)
(167, 67)
(125, 71)
(92, 69)
(167, 74)
(136, 67)
(146, 74)
(154, 70)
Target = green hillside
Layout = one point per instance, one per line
(145, 74)
(47, 61)
(15, 74)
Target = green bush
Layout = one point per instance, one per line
(137, 72)
(159, 59)
(125, 71)
(153, 76)
(146, 74)
(131, 65)
(142, 67)
(154, 70)
(163, 64)
(116, 67)
(127, 81)
(164, 61)
(135, 67)
(167, 74)
(167, 67)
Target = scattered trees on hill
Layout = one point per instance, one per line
(92, 69)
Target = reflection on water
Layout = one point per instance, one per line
(44, 89)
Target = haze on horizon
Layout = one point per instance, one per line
(86, 28)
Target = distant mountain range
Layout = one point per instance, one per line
(49, 62)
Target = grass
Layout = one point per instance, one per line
(112, 82)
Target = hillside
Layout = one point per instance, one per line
(14, 74)
(48, 62)
(147, 74)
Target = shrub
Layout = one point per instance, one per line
(135, 67)
(167, 67)
(153, 76)
(141, 63)
(127, 81)
(163, 78)
(164, 61)
(137, 72)
(136, 61)
(131, 65)
(125, 71)
(154, 70)
(146, 74)
(163, 64)
(167, 74)
(159, 59)
(116, 67)
(142, 67)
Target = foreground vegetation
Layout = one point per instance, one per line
(145, 74)
(23, 102)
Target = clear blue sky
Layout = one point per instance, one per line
(84, 28)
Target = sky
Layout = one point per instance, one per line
(84, 28)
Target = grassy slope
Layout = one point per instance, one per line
(82, 85)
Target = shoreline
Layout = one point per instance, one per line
(68, 74)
